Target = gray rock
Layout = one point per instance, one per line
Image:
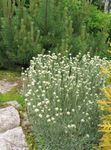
(9, 118)
(14, 104)
(13, 139)
(3, 146)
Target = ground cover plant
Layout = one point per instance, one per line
(61, 94)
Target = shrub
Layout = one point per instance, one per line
(105, 106)
(20, 37)
(37, 26)
(61, 96)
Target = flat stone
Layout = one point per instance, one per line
(13, 139)
(6, 86)
(9, 118)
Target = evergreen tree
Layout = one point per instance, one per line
(39, 26)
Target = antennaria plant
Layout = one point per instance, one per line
(61, 96)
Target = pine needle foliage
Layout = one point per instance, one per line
(37, 26)
(19, 35)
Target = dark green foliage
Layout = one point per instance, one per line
(20, 37)
(38, 26)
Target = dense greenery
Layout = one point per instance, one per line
(38, 26)
(61, 95)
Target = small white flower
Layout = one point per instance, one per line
(39, 87)
(69, 126)
(68, 113)
(73, 110)
(57, 115)
(43, 95)
(82, 120)
(73, 126)
(87, 114)
(79, 107)
(43, 91)
(33, 106)
(40, 115)
(28, 85)
(87, 135)
(47, 102)
(33, 83)
(89, 118)
(39, 104)
(28, 103)
(52, 118)
(36, 90)
(33, 94)
(66, 131)
(90, 102)
(36, 110)
(47, 116)
(48, 120)
(54, 93)
(61, 114)
(26, 99)
(58, 100)
(22, 73)
(42, 110)
(56, 108)
(56, 96)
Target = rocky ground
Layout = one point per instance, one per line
(6, 86)
(11, 133)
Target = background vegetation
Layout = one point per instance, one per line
(37, 26)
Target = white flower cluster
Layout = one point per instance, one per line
(60, 90)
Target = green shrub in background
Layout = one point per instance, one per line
(38, 26)
(20, 36)
(61, 95)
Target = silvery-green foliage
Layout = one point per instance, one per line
(61, 95)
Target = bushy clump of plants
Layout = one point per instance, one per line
(61, 94)
(28, 28)
(19, 35)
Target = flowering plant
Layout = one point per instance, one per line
(61, 95)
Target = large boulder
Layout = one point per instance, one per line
(13, 139)
(9, 118)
